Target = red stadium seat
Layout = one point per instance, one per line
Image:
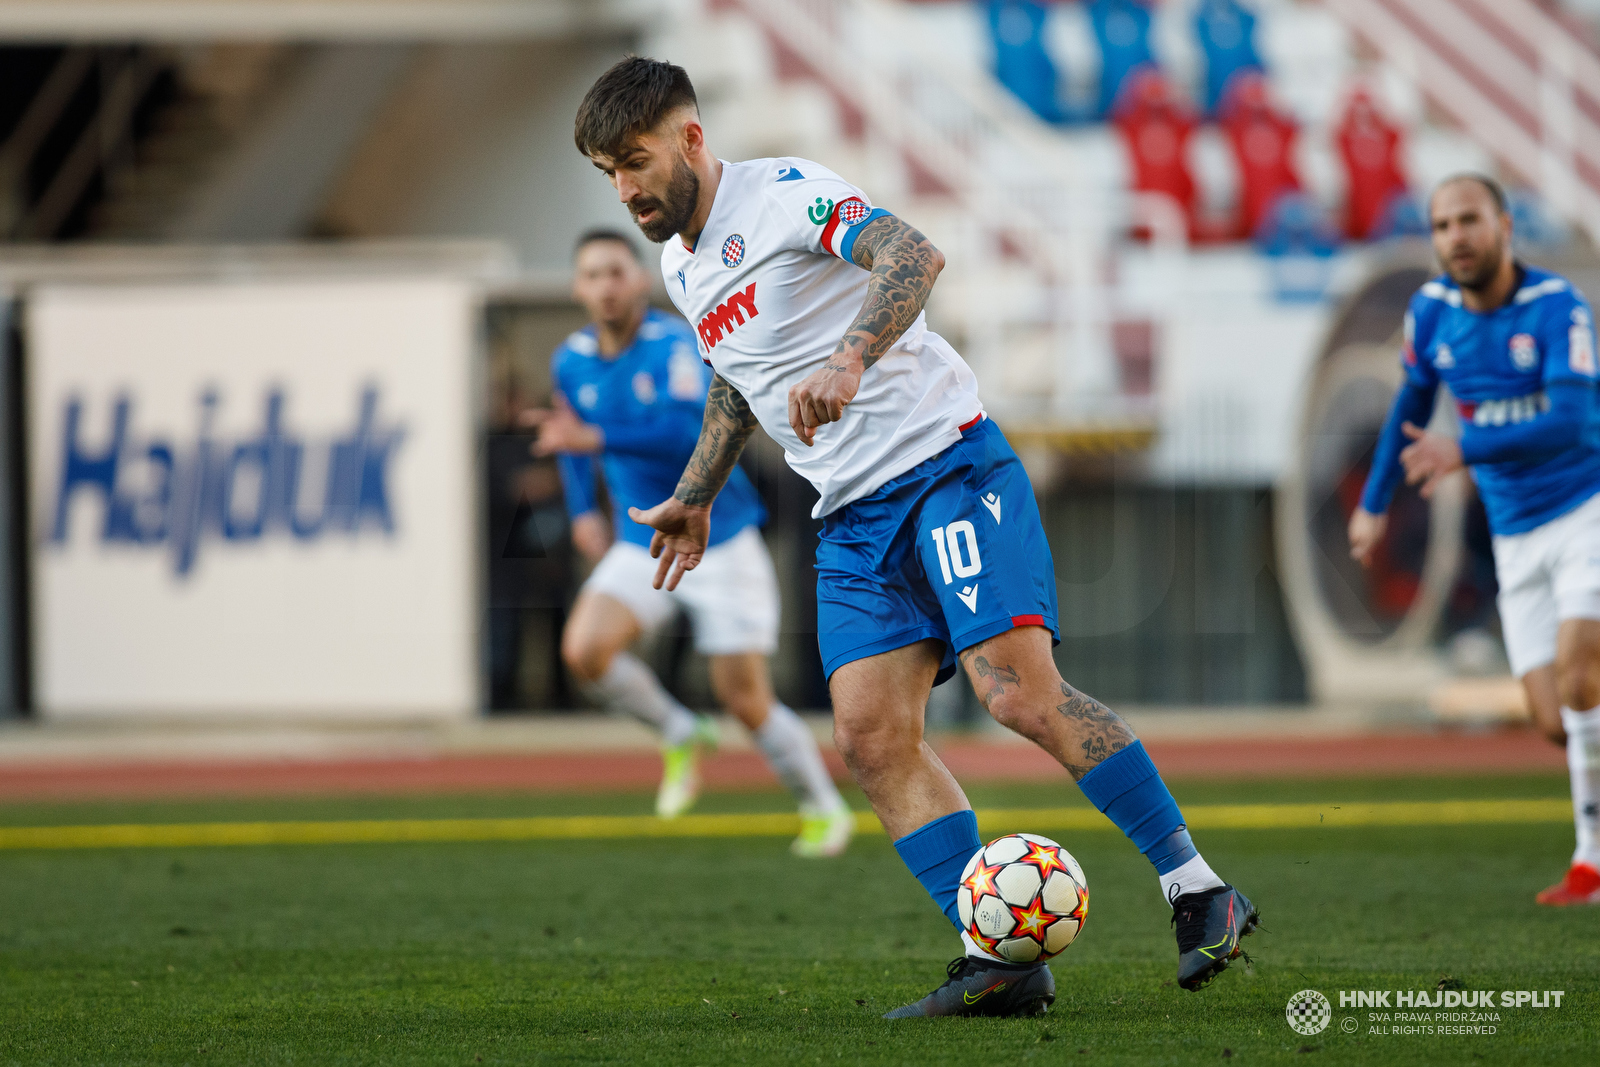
(1370, 147)
(1263, 141)
(1156, 125)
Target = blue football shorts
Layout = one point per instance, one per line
(952, 549)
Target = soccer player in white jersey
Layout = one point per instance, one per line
(807, 302)
(1516, 347)
(632, 396)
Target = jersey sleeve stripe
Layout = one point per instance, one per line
(830, 230)
(847, 246)
(839, 236)
(1529, 293)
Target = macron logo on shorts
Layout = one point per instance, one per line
(969, 597)
(992, 502)
(727, 315)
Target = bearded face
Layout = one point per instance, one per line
(660, 215)
(1469, 234)
(1473, 265)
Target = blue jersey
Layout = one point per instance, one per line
(649, 402)
(1523, 377)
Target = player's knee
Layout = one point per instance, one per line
(586, 660)
(746, 705)
(867, 748)
(743, 695)
(1019, 712)
(1578, 683)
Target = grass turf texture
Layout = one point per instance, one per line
(675, 952)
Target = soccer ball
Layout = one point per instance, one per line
(1023, 898)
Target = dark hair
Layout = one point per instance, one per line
(630, 98)
(591, 236)
(1496, 192)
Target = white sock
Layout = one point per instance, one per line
(974, 949)
(631, 688)
(792, 752)
(1583, 764)
(1190, 877)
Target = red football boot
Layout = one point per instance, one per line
(1580, 886)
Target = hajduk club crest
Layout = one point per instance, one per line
(1524, 353)
(733, 251)
(852, 211)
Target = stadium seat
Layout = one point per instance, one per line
(1300, 241)
(1122, 30)
(1021, 61)
(1156, 125)
(1370, 148)
(1225, 30)
(1262, 138)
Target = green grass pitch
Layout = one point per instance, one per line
(730, 951)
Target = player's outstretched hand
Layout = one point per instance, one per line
(1366, 530)
(1429, 458)
(822, 397)
(679, 541)
(561, 430)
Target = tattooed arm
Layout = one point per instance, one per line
(904, 265)
(728, 425)
(683, 523)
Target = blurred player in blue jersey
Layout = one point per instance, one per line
(1516, 347)
(631, 392)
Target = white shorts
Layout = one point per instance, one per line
(1547, 575)
(731, 598)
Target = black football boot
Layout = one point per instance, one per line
(984, 987)
(1210, 924)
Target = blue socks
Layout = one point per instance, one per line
(1125, 786)
(1129, 790)
(938, 852)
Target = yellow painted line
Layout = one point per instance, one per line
(365, 831)
(594, 827)
(1389, 813)
(1302, 816)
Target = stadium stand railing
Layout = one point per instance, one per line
(1037, 232)
(1516, 79)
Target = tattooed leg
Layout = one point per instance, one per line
(1016, 680)
(1101, 731)
(999, 676)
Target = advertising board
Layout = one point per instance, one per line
(252, 498)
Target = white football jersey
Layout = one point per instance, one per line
(770, 289)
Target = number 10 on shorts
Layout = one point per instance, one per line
(950, 541)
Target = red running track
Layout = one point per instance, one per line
(1391, 755)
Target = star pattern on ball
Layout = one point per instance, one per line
(1046, 858)
(981, 880)
(1033, 920)
(984, 941)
